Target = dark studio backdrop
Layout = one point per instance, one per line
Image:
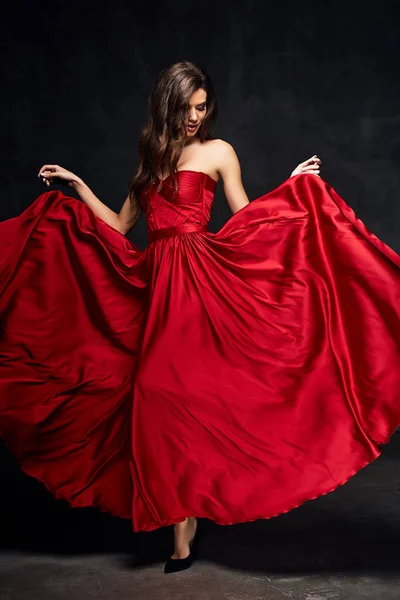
(292, 79)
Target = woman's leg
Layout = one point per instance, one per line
(184, 533)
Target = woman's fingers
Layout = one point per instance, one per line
(55, 174)
(45, 168)
(310, 166)
(48, 172)
(312, 161)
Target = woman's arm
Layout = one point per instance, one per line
(230, 172)
(122, 221)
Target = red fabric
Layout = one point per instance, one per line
(230, 375)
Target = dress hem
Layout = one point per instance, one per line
(173, 520)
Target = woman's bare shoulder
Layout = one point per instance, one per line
(219, 145)
(224, 156)
(221, 150)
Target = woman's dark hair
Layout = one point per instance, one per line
(163, 136)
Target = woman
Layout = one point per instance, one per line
(229, 376)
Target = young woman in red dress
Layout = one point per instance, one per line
(230, 375)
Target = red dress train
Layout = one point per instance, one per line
(230, 375)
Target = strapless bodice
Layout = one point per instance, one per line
(188, 212)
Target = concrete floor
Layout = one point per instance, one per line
(345, 545)
(108, 577)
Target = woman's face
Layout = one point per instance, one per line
(196, 111)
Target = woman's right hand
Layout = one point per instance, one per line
(49, 173)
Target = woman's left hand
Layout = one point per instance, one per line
(311, 165)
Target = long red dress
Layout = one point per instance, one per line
(230, 375)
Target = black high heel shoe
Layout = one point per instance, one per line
(173, 565)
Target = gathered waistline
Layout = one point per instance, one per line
(157, 234)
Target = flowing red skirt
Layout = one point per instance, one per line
(230, 375)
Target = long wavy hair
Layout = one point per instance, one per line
(163, 136)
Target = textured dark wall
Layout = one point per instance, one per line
(292, 79)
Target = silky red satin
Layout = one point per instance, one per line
(230, 375)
